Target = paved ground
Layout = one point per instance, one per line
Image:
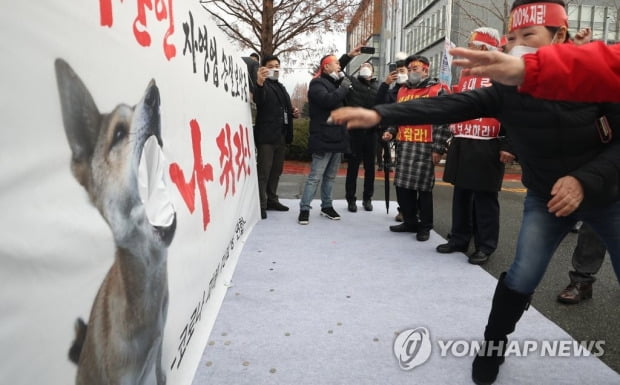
(595, 319)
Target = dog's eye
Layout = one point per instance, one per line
(120, 132)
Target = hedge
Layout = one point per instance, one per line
(298, 150)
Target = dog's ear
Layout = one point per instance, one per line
(80, 116)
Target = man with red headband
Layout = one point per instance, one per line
(327, 142)
(419, 148)
(475, 166)
(570, 165)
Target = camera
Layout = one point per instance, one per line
(391, 67)
(370, 50)
(273, 74)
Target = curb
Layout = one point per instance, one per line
(293, 167)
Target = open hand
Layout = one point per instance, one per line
(506, 69)
(567, 195)
(355, 117)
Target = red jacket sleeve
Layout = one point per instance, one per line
(587, 73)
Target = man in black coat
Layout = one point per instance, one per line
(363, 142)
(475, 166)
(273, 130)
(326, 142)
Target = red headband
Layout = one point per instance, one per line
(483, 38)
(328, 60)
(545, 14)
(418, 63)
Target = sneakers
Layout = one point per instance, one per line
(330, 213)
(304, 217)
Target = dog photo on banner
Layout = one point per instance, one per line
(128, 188)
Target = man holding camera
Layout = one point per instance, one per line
(273, 130)
(326, 142)
(363, 142)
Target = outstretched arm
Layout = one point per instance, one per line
(355, 117)
(503, 68)
(586, 73)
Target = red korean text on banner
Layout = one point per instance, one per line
(200, 175)
(233, 160)
(163, 11)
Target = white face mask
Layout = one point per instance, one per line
(402, 78)
(336, 75)
(274, 74)
(520, 50)
(365, 72)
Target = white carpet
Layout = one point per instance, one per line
(322, 304)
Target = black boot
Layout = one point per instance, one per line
(507, 308)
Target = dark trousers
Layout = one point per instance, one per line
(414, 204)
(269, 165)
(588, 255)
(363, 146)
(475, 213)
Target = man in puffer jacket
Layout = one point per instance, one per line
(327, 142)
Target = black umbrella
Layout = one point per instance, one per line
(387, 161)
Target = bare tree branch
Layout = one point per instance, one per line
(499, 9)
(276, 26)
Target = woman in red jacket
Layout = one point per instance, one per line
(587, 73)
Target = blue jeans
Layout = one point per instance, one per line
(323, 169)
(541, 233)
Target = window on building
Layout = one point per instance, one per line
(598, 17)
(573, 16)
(409, 42)
(585, 17)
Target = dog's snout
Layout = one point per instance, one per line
(152, 95)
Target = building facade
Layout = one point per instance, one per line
(601, 17)
(365, 27)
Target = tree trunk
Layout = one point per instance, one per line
(266, 36)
